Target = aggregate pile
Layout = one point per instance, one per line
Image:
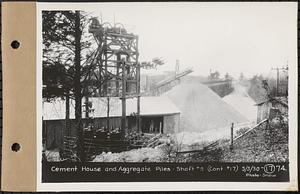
(201, 109)
(242, 102)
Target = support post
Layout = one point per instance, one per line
(138, 91)
(118, 74)
(105, 84)
(107, 119)
(123, 100)
(138, 117)
(231, 137)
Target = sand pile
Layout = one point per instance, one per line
(202, 109)
(135, 155)
(242, 102)
(206, 137)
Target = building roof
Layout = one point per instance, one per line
(281, 100)
(149, 106)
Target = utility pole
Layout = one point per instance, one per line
(77, 89)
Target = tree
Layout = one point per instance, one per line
(59, 45)
(214, 75)
(257, 90)
(265, 85)
(58, 53)
(228, 77)
(242, 77)
(69, 62)
(152, 64)
(63, 71)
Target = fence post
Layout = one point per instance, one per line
(231, 137)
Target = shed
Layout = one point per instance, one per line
(158, 115)
(271, 107)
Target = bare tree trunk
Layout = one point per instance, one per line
(77, 89)
(87, 109)
(68, 130)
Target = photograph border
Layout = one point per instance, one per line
(168, 186)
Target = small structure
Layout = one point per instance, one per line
(271, 108)
(158, 115)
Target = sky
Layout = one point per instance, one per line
(228, 37)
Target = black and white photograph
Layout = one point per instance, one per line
(167, 82)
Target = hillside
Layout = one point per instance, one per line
(263, 144)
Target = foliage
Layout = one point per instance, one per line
(171, 150)
(228, 77)
(262, 87)
(214, 155)
(152, 64)
(58, 31)
(266, 143)
(241, 131)
(242, 77)
(257, 90)
(214, 75)
(54, 79)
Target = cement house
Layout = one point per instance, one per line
(158, 115)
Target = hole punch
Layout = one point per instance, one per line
(15, 44)
(15, 147)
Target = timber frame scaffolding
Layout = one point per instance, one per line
(115, 66)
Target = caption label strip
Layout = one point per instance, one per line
(150, 172)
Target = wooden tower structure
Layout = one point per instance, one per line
(115, 65)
